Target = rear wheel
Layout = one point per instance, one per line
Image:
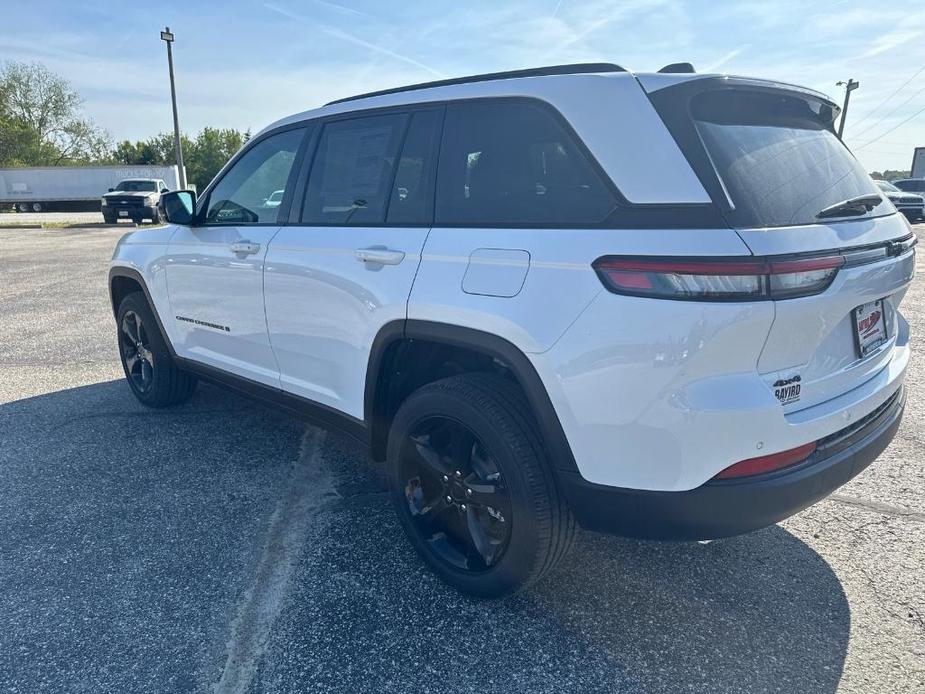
(472, 488)
(149, 369)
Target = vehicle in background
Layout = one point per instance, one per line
(71, 188)
(276, 197)
(911, 205)
(134, 199)
(910, 185)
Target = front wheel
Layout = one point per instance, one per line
(472, 488)
(149, 369)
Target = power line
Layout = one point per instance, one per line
(880, 120)
(894, 93)
(884, 134)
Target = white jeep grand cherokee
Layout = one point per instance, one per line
(660, 305)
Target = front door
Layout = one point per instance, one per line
(346, 268)
(215, 268)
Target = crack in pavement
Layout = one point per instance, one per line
(878, 507)
(309, 489)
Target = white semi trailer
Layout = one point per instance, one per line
(41, 188)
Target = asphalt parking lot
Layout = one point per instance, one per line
(226, 547)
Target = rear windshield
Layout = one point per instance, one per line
(777, 156)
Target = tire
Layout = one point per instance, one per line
(107, 219)
(37, 207)
(149, 369)
(23, 207)
(529, 528)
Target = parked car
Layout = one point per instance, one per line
(911, 205)
(275, 198)
(660, 305)
(134, 199)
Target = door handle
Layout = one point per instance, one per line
(245, 247)
(381, 256)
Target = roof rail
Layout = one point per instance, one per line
(678, 68)
(575, 69)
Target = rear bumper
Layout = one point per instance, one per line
(731, 507)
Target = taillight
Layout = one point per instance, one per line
(750, 279)
(768, 463)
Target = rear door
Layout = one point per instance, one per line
(770, 157)
(345, 264)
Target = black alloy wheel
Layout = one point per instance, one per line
(456, 494)
(472, 486)
(136, 352)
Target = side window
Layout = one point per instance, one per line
(353, 169)
(243, 195)
(511, 162)
(412, 198)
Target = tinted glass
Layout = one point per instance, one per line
(242, 196)
(512, 162)
(412, 198)
(137, 186)
(777, 156)
(916, 185)
(353, 169)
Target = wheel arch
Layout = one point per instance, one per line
(125, 280)
(385, 357)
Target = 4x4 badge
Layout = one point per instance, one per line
(787, 390)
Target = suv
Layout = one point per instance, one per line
(135, 199)
(913, 206)
(659, 305)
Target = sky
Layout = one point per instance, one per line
(246, 63)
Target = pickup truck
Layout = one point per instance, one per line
(135, 199)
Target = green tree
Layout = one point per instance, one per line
(209, 152)
(203, 155)
(889, 174)
(40, 120)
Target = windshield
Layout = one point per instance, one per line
(134, 186)
(777, 157)
(913, 185)
(886, 185)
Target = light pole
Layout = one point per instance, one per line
(167, 37)
(850, 86)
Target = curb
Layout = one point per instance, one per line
(20, 226)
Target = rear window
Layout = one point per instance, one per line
(777, 157)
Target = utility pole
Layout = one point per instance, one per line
(167, 37)
(850, 86)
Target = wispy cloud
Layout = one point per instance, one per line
(888, 42)
(342, 8)
(734, 53)
(357, 41)
(351, 38)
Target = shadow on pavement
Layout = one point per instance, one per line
(131, 538)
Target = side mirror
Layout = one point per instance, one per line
(112, 190)
(179, 207)
(164, 190)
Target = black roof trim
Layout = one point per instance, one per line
(575, 69)
(678, 68)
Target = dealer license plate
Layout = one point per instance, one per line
(870, 323)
